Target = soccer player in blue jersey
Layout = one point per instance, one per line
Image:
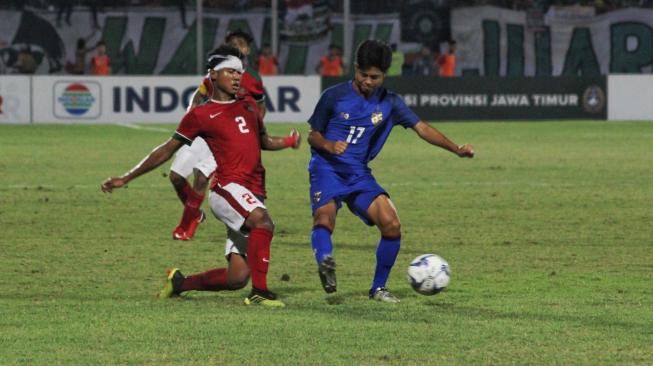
(350, 124)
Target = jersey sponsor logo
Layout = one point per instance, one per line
(377, 117)
(214, 115)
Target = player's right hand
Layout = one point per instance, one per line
(336, 147)
(466, 151)
(111, 183)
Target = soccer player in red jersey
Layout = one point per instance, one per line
(234, 131)
(196, 159)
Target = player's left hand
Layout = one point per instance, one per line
(466, 151)
(111, 183)
(293, 139)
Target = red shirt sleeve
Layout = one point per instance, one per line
(188, 128)
(252, 87)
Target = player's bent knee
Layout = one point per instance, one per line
(324, 221)
(237, 283)
(200, 183)
(176, 179)
(391, 229)
(260, 219)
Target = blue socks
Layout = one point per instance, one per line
(386, 254)
(321, 242)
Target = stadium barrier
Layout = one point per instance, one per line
(154, 99)
(630, 97)
(143, 99)
(502, 98)
(15, 99)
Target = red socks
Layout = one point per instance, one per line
(258, 256)
(185, 191)
(191, 209)
(211, 280)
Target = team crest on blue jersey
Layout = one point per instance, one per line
(377, 117)
(344, 115)
(317, 196)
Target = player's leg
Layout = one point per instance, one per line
(372, 204)
(238, 272)
(239, 208)
(180, 170)
(324, 222)
(261, 230)
(234, 277)
(236, 254)
(326, 192)
(204, 166)
(211, 280)
(193, 215)
(180, 184)
(384, 215)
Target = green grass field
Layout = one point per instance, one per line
(548, 232)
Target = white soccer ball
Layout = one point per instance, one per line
(428, 274)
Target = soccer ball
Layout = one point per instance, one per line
(428, 274)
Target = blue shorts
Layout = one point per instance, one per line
(357, 191)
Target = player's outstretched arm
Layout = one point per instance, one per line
(277, 143)
(158, 156)
(431, 135)
(317, 141)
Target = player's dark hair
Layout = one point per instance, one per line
(222, 50)
(239, 34)
(373, 53)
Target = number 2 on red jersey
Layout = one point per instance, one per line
(242, 124)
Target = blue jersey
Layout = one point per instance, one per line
(365, 124)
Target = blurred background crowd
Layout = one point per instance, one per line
(425, 46)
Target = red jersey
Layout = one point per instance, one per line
(232, 130)
(250, 85)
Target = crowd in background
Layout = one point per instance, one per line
(435, 59)
(357, 6)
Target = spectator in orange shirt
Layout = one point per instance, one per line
(267, 62)
(331, 64)
(447, 61)
(100, 63)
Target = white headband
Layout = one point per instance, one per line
(228, 62)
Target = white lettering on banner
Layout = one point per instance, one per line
(491, 100)
(555, 100)
(509, 100)
(453, 100)
(410, 100)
